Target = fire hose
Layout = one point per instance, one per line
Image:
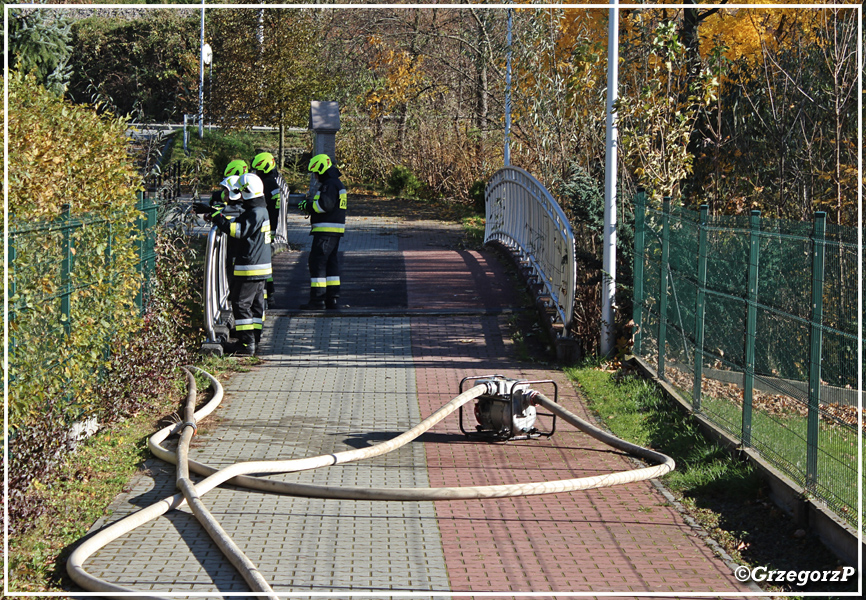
(240, 474)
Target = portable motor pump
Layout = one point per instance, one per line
(506, 412)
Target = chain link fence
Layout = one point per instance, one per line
(754, 321)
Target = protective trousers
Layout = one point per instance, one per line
(248, 307)
(273, 217)
(324, 266)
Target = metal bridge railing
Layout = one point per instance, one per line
(523, 216)
(281, 235)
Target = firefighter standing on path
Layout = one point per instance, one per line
(265, 166)
(251, 231)
(327, 212)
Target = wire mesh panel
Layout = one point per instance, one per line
(73, 281)
(755, 320)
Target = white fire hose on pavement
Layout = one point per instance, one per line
(239, 474)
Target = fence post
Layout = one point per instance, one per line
(66, 269)
(13, 288)
(663, 284)
(699, 307)
(109, 267)
(815, 351)
(637, 310)
(751, 326)
(140, 246)
(148, 242)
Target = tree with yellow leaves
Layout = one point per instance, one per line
(658, 119)
(267, 67)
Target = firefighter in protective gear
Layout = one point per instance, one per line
(251, 231)
(232, 189)
(236, 167)
(265, 167)
(327, 212)
(228, 193)
(228, 200)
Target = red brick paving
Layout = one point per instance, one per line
(623, 539)
(447, 279)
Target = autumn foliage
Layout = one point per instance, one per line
(80, 349)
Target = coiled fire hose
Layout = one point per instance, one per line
(239, 474)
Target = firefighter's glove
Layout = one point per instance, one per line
(215, 214)
(303, 206)
(200, 208)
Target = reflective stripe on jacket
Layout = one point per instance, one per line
(252, 232)
(328, 214)
(272, 188)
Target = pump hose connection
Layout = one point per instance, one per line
(241, 475)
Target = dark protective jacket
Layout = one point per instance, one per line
(251, 232)
(271, 184)
(328, 208)
(219, 198)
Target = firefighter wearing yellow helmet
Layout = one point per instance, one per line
(265, 167)
(236, 167)
(327, 212)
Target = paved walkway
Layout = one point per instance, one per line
(422, 314)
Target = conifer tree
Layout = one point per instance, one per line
(39, 43)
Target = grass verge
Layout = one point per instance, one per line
(473, 231)
(722, 493)
(89, 479)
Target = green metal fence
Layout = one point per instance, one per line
(754, 321)
(62, 299)
(71, 244)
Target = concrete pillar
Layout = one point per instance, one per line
(324, 123)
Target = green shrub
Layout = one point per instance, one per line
(402, 182)
(476, 194)
(146, 364)
(66, 155)
(583, 199)
(147, 66)
(208, 156)
(581, 196)
(62, 368)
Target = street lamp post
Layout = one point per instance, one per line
(508, 96)
(608, 287)
(201, 77)
(206, 59)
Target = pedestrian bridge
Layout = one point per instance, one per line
(522, 218)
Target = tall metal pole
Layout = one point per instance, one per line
(508, 97)
(201, 78)
(608, 287)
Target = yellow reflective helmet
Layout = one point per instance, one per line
(264, 162)
(320, 163)
(236, 167)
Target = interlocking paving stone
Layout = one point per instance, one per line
(331, 383)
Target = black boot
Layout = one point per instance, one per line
(270, 292)
(313, 305)
(245, 347)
